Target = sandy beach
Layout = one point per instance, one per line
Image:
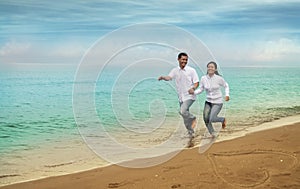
(263, 159)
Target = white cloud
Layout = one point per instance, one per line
(68, 50)
(13, 48)
(282, 49)
(25, 52)
(254, 51)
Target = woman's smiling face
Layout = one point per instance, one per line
(211, 69)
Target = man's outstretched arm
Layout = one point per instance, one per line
(166, 78)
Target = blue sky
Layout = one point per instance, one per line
(238, 33)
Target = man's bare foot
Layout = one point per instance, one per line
(224, 124)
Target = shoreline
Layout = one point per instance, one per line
(264, 159)
(233, 136)
(262, 127)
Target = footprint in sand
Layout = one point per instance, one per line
(113, 185)
(251, 168)
(176, 186)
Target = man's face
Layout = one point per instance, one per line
(182, 61)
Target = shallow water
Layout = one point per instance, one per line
(39, 132)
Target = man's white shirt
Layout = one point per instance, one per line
(184, 80)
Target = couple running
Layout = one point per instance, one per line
(187, 82)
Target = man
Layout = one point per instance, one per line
(186, 78)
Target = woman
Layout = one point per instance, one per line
(212, 83)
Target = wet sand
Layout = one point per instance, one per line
(264, 159)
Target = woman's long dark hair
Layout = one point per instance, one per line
(216, 66)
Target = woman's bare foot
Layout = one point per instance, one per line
(194, 123)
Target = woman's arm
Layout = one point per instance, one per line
(226, 87)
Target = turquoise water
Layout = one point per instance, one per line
(35, 108)
(262, 94)
(36, 104)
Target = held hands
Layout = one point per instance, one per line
(191, 91)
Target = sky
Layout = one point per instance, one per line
(238, 33)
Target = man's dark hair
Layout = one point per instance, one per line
(182, 54)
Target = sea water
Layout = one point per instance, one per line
(37, 108)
